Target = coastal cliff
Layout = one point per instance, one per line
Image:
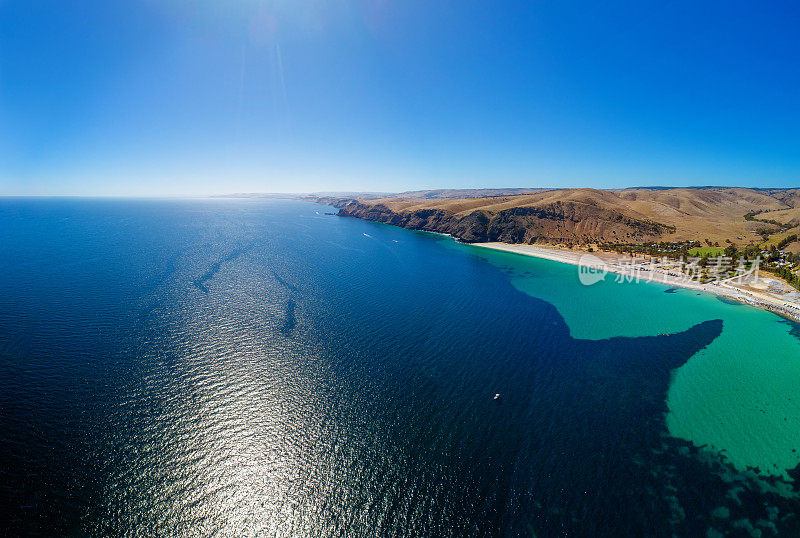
(718, 216)
(557, 222)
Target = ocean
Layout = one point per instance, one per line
(264, 367)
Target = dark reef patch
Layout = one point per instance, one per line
(795, 327)
(289, 286)
(200, 282)
(289, 319)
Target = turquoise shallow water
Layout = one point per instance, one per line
(739, 396)
(260, 368)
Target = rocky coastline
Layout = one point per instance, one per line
(559, 222)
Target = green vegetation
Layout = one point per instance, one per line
(781, 225)
(786, 240)
(782, 264)
(788, 275)
(670, 249)
(706, 251)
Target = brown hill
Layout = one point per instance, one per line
(587, 215)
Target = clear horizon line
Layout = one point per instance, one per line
(387, 193)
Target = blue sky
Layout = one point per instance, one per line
(160, 97)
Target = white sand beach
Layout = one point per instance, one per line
(762, 290)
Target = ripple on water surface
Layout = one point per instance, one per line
(255, 368)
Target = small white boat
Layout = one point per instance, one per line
(497, 396)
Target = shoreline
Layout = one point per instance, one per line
(786, 307)
(773, 294)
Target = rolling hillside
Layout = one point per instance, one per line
(584, 216)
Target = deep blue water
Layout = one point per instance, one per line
(242, 367)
